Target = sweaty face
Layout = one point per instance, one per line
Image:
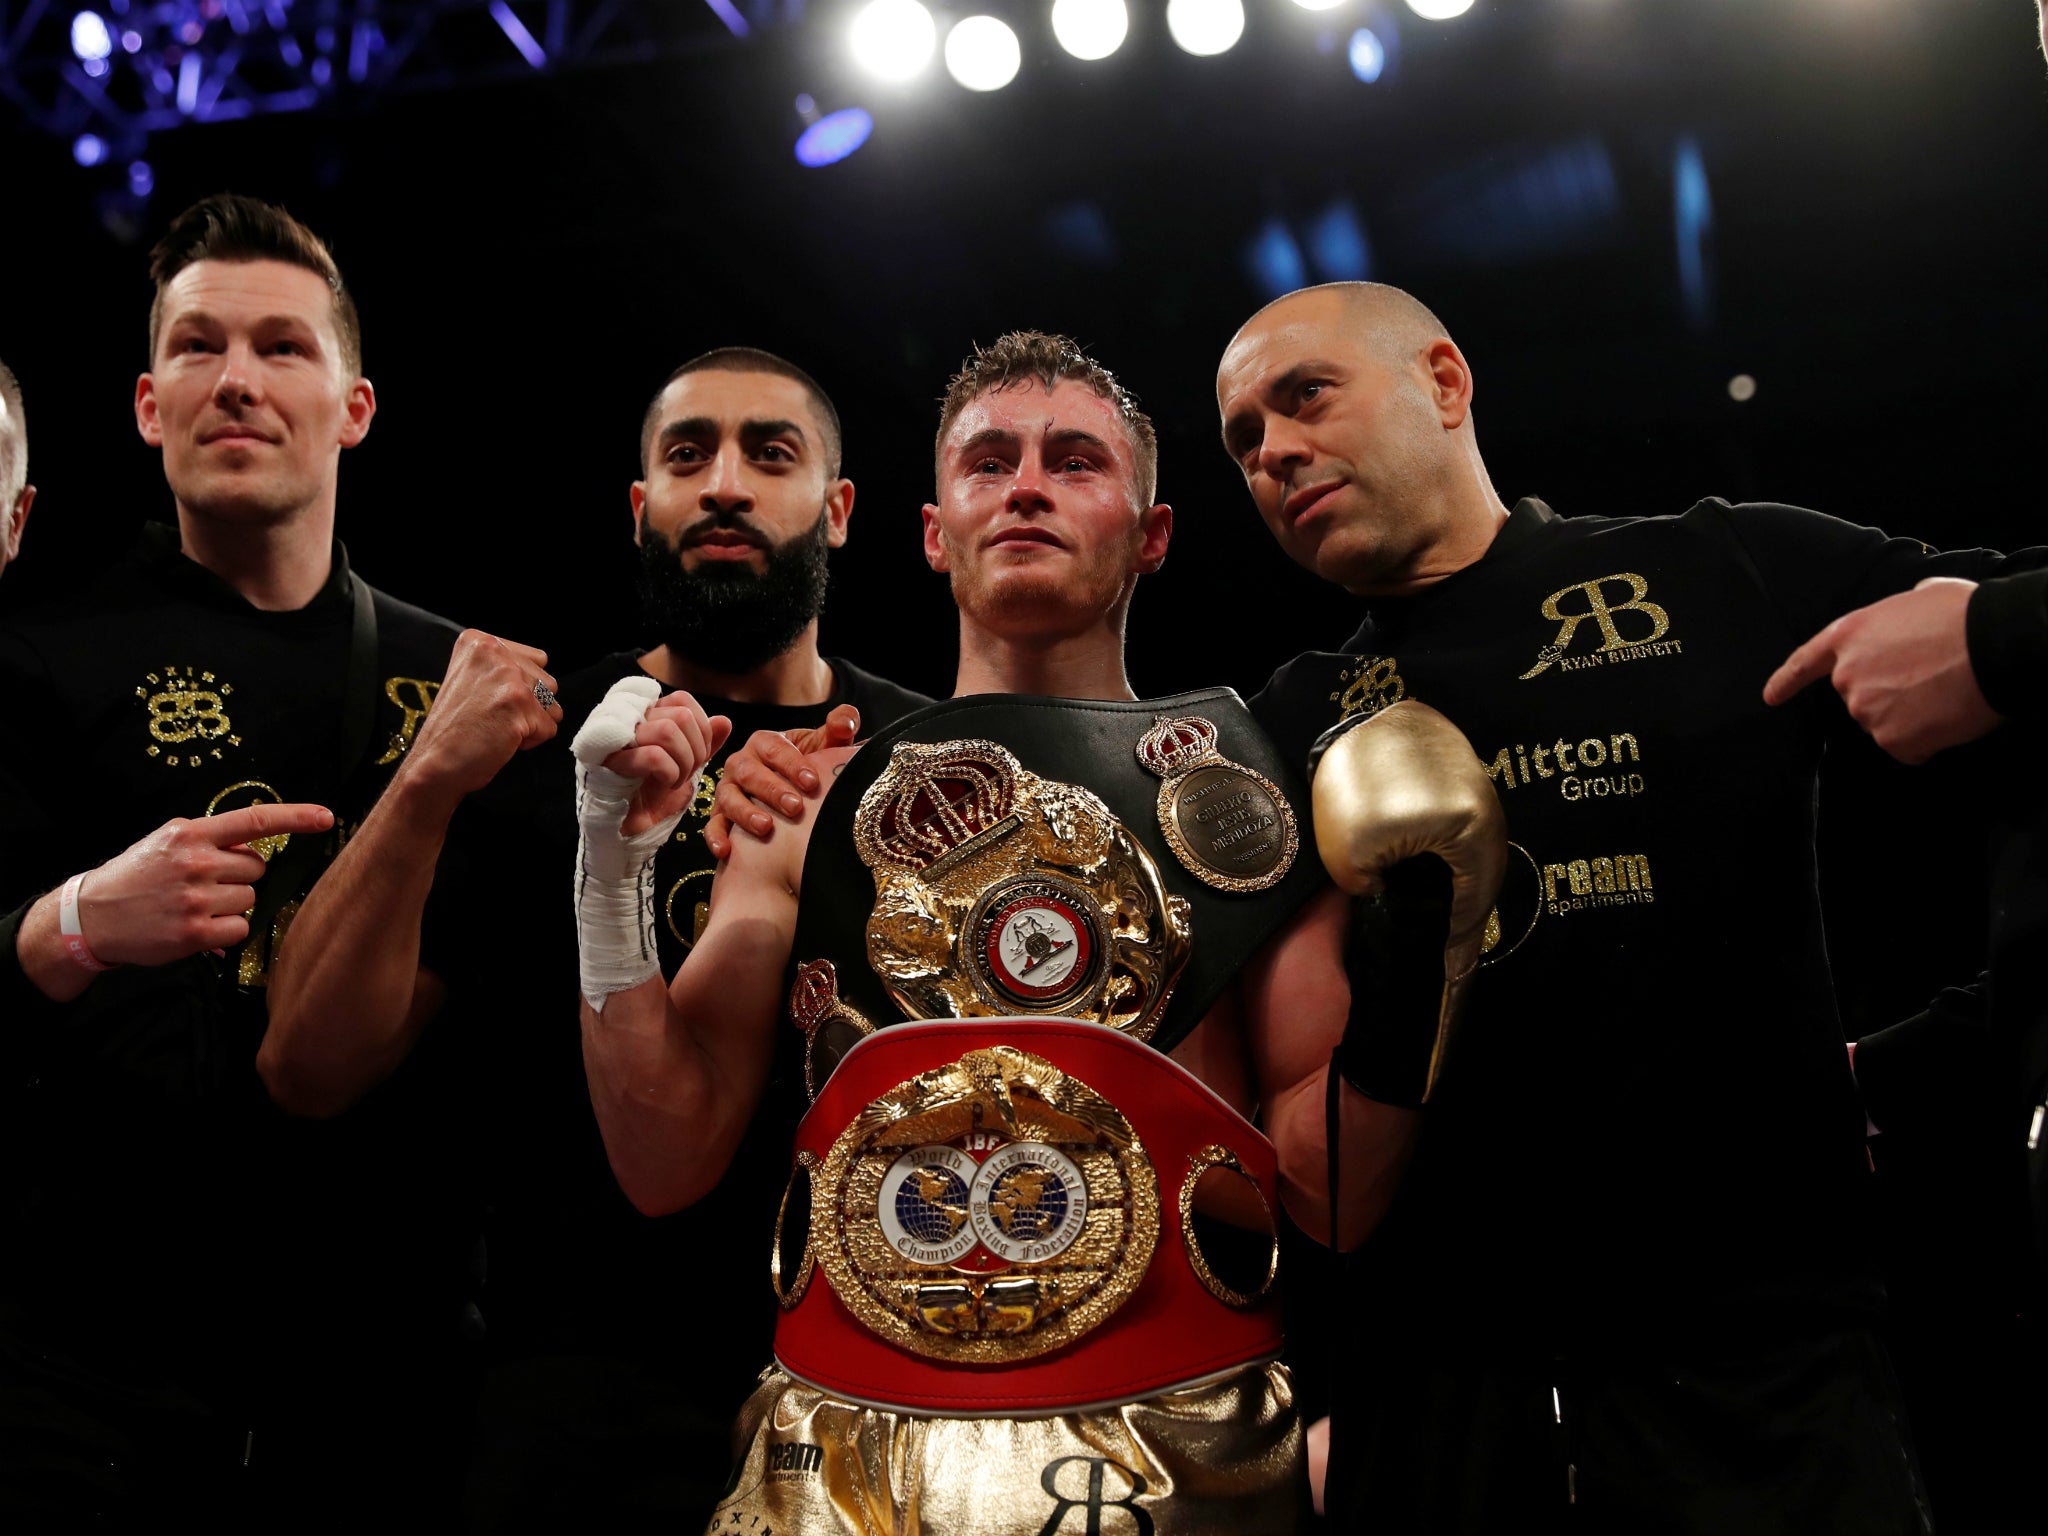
(1039, 521)
(1336, 446)
(248, 394)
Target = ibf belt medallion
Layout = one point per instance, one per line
(1230, 827)
(986, 1211)
(998, 892)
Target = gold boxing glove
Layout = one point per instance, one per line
(1389, 790)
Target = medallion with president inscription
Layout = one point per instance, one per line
(1231, 827)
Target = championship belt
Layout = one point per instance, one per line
(1022, 1217)
(1003, 855)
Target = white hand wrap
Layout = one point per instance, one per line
(614, 873)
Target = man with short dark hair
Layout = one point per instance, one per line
(186, 1320)
(16, 494)
(1627, 1284)
(1019, 917)
(605, 1352)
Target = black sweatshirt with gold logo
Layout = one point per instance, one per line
(1648, 1132)
(160, 1214)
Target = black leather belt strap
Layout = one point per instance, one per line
(1092, 743)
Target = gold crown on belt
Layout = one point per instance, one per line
(1175, 745)
(940, 801)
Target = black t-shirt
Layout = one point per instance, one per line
(2008, 638)
(163, 1218)
(574, 1269)
(1648, 1127)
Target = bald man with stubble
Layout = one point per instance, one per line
(1626, 1285)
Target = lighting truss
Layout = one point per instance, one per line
(171, 63)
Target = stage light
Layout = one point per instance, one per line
(90, 39)
(1205, 27)
(1368, 54)
(1090, 29)
(1338, 246)
(1274, 260)
(1692, 206)
(1742, 387)
(1318, 5)
(89, 149)
(141, 179)
(834, 136)
(894, 39)
(1439, 10)
(508, 21)
(983, 54)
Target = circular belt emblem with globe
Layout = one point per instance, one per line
(986, 1211)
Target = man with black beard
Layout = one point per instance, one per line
(621, 1347)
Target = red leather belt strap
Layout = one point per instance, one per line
(1170, 1331)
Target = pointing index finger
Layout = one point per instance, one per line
(231, 829)
(1812, 661)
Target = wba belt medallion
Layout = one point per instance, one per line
(998, 892)
(988, 1210)
(1229, 826)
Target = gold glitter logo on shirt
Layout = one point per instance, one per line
(1594, 603)
(1369, 685)
(186, 715)
(414, 697)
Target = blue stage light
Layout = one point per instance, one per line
(515, 33)
(90, 39)
(89, 149)
(1368, 54)
(1337, 244)
(834, 136)
(1274, 260)
(1082, 232)
(1693, 213)
(141, 179)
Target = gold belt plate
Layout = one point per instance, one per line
(998, 892)
(986, 1211)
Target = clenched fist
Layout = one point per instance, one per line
(487, 710)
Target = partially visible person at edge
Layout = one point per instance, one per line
(196, 1320)
(1949, 663)
(619, 1348)
(1044, 521)
(1627, 1284)
(16, 494)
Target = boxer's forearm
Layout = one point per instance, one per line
(1378, 1140)
(677, 1072)
(347, 996)
(1296, 1001)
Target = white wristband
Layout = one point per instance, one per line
(614, 873)
(71, 932)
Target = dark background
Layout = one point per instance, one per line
(531, 258)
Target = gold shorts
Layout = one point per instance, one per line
(1220, 1459)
